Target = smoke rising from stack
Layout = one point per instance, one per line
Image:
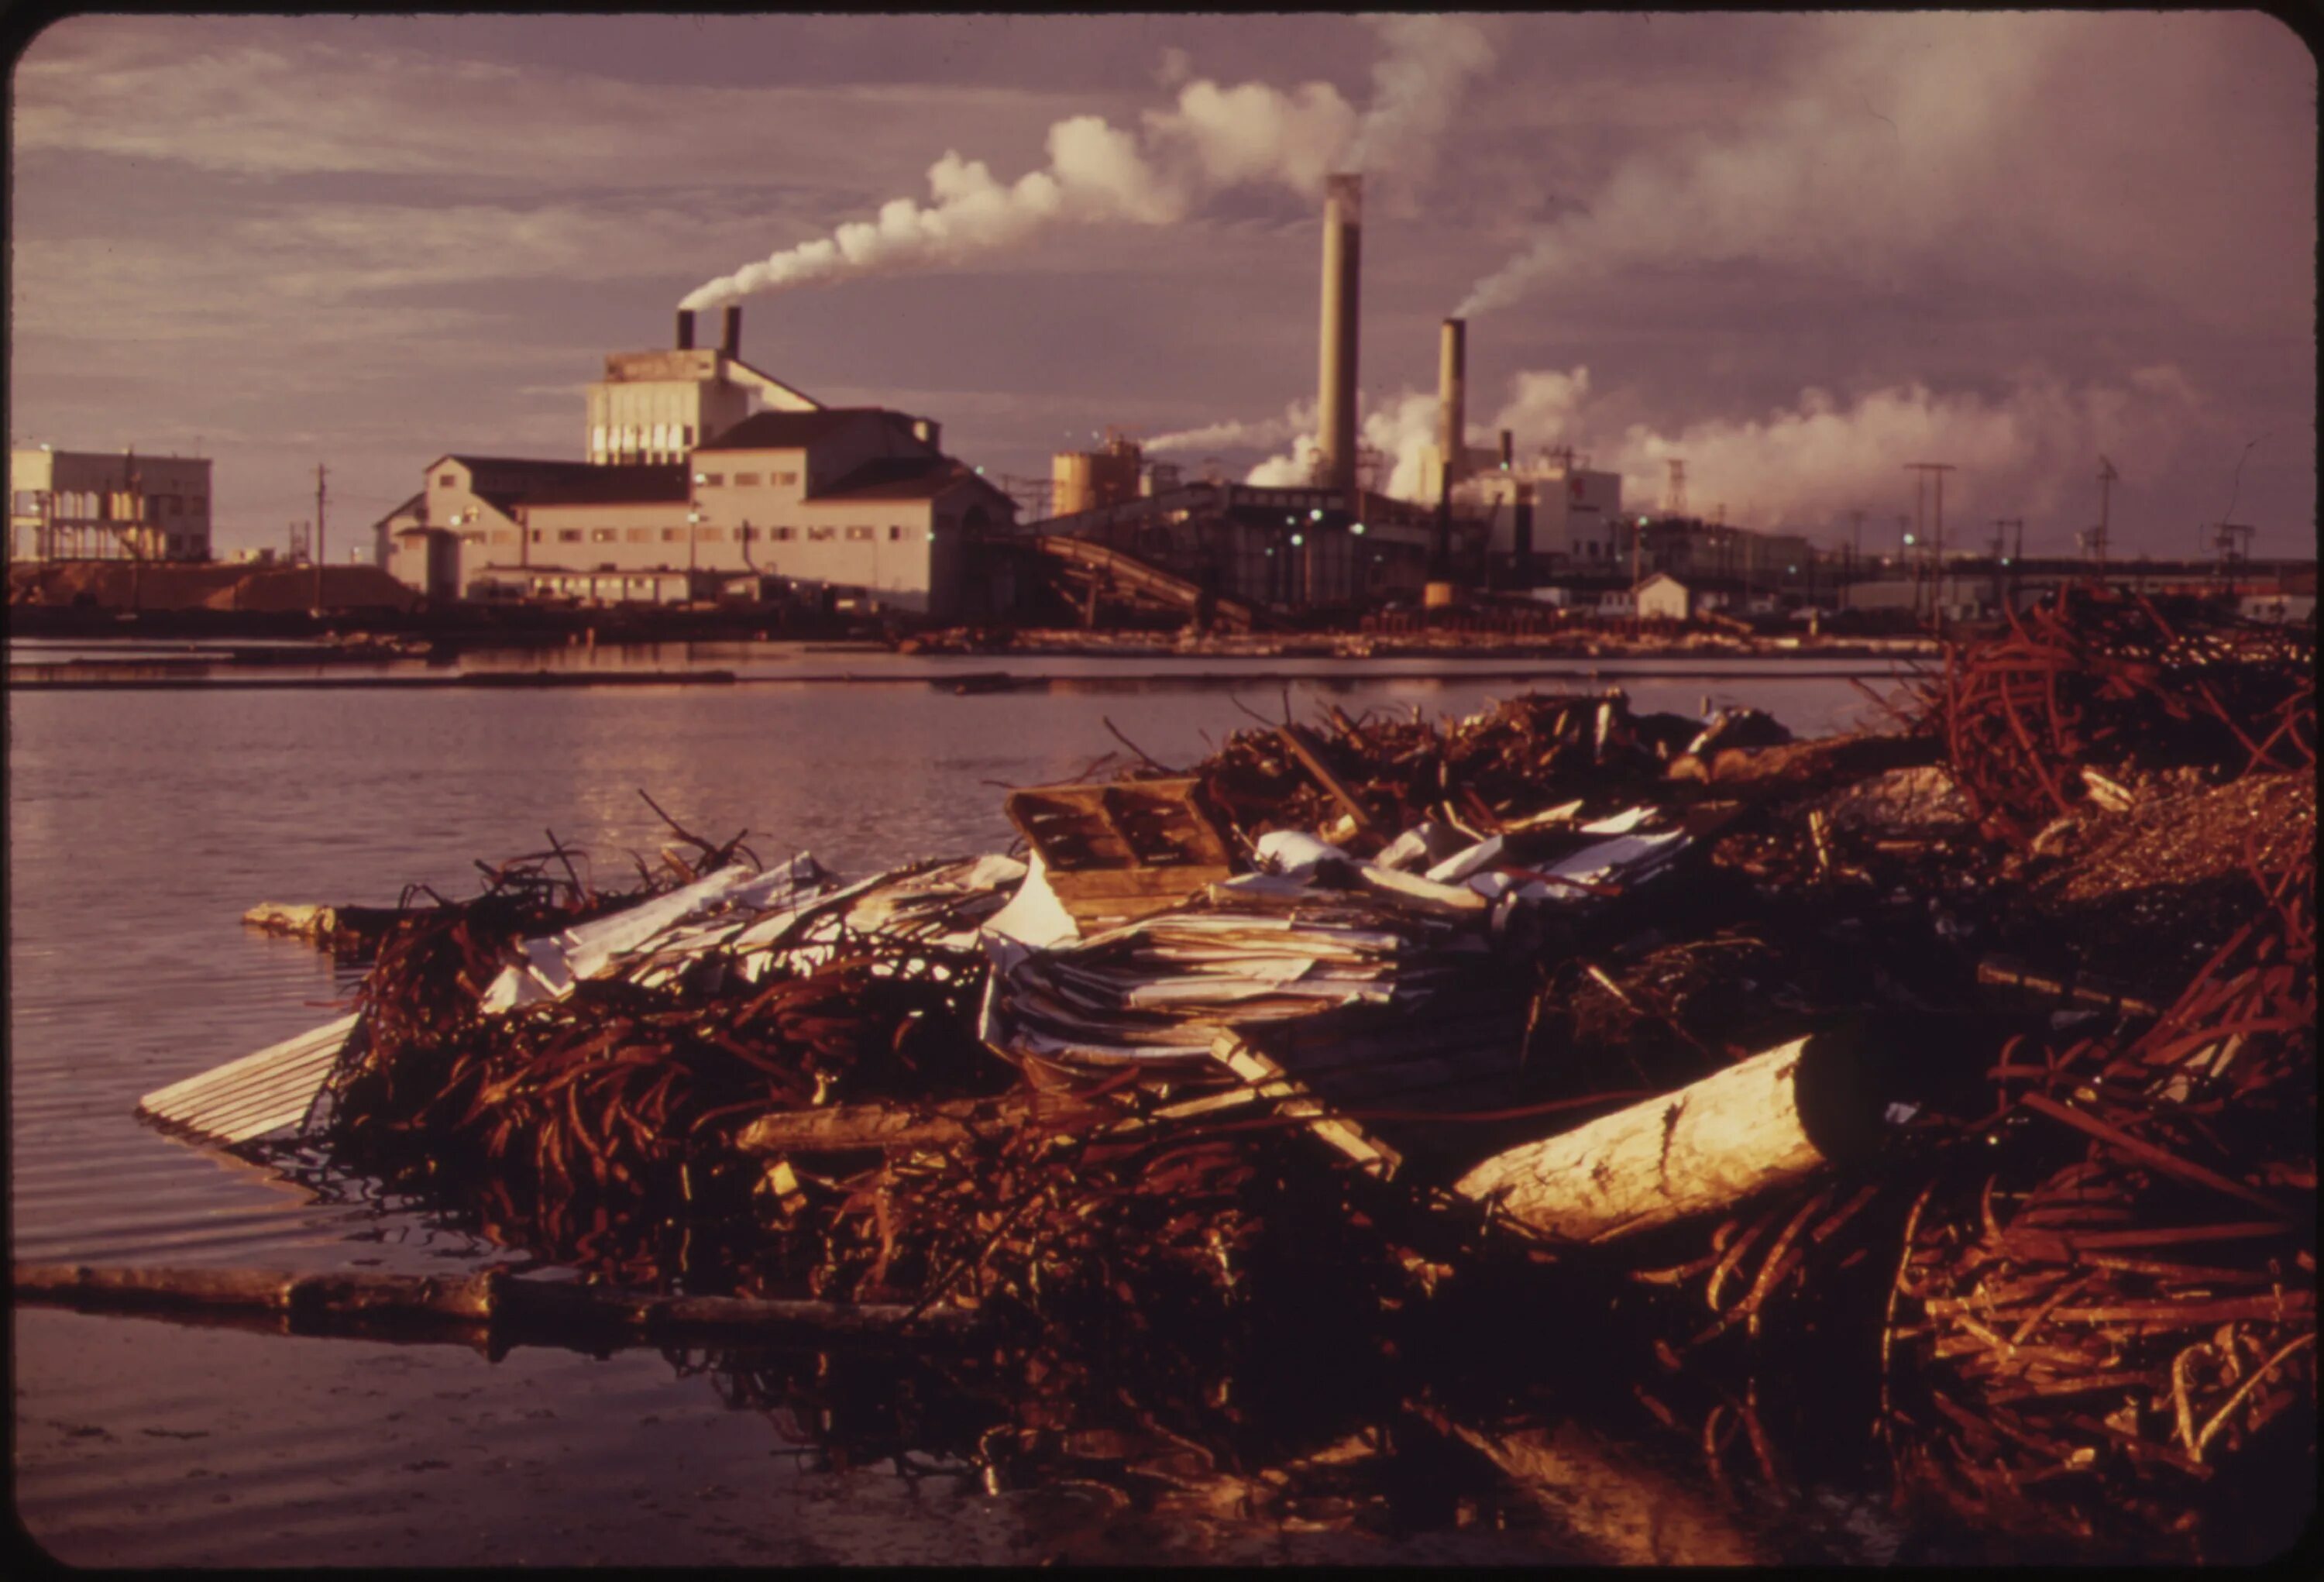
(1297, 418)
(1212, 139)
(1812, 461)
(1889, 145)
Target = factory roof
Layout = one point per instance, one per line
(612, 486)
(531, 464)
(903, 477)
(790, 431)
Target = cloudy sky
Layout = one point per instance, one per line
(1797, 252)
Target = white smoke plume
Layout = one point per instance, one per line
(2029, 452)
(1888, 143)
(1298, 418)
(1416, 89)
(1212, 138)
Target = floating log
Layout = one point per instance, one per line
(1765, 1121)
(341, 928)
(843, 1128)
(325, 1301)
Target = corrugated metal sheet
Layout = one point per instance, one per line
(245, 1099)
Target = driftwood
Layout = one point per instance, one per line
(843, 1128)
(1765, 1121)
(351, 929)
(1799, 767)
(323, 1302)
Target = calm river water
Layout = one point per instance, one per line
(141, 824)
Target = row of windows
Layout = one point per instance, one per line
(747, 480)
(677, 535)
(120, 505)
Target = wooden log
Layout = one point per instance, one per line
(842, 1128)
(324, 1301)
(1800, 767)
(1761, 1123)
(340, 927)
(1303, 747)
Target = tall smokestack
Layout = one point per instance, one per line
(1453, 399)
(1508, 448)
(730, 337)
(1335, 416)
(685, 329)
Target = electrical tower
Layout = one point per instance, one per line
(1923, 469)
(1674, 492)
(2094, 541)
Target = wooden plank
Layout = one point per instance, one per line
(1375, 1158)
(257, 1094)
(1303, 747)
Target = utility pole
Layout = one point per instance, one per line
(2000, 525)
(1937, 548)
(319, 557)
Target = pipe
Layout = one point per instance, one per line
(1453, 399)
(729, 338)
(1336, 422)
(685, 329)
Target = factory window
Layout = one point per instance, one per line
(670, 535)
(689, 436)
(569, 535)
(894, 532)
(177, 544)
(503, 536)
(448, 479)
(707, 535)
(820, 535)
(784, 535)
(715, 479)
(745, 480)
(859, 534)
(787, 478)
(605, 535)
(538, 535)
(641, 535)
(471, 538)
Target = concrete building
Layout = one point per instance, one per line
(1542, 516)
(99, 505)
(853, 499)
(655, 407)
(1663, 598)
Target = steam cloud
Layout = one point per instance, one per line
(2027, 451)
(1298, 418)
(1212, 139)
(1892, 142)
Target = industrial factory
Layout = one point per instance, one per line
(103, 505)
(1496, 517)
(704, 477)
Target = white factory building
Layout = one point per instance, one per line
(705, 475)
(108, 505)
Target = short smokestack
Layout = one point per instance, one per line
(685, 329)
(1335, 416)
(1508, 448)
(730, 336)
(1453, 399)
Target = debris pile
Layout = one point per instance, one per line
(1951, 1089)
